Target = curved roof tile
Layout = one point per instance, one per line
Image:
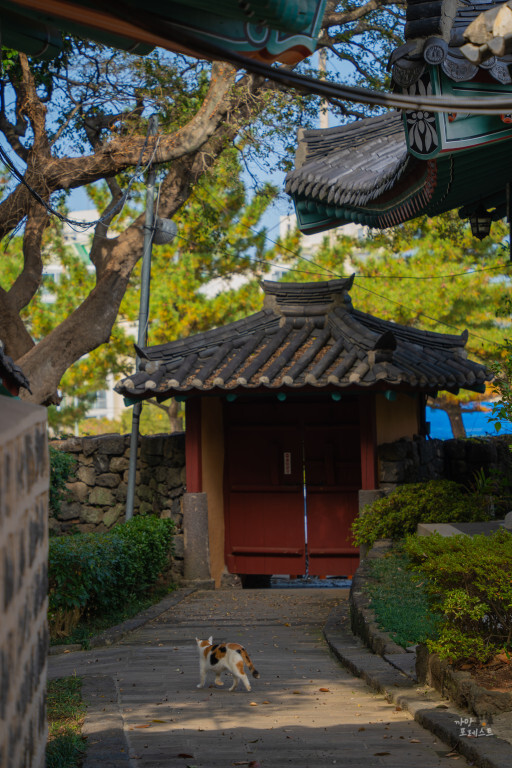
(308, 334)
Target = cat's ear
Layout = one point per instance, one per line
(198, 641)
(210, 640)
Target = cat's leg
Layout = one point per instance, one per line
(239, 674)
(202, 676)
(244, 679)
(218, 681)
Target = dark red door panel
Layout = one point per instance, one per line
(264, 499)
(271, 450)
(333, 479)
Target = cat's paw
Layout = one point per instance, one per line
(219, 682)
(199, 685)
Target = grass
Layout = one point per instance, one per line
(89, 626)
(398, 600)
(66, 746)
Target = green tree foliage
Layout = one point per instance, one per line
(502, 367)
(220, 238)
(430, 274)
(82, 119)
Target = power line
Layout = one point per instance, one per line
(299, 255)
(328, 271)
(165, 33)
(82, 225)
(331, 273)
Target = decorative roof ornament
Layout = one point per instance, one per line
(383, 171)
(489, 37)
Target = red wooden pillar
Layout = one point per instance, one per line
(193, 457)
(368, 442)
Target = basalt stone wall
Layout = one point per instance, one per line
(24, 472)
(97, 491)
(420, 459)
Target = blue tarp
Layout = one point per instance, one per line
(477, 423)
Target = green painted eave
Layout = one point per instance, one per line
(246, 27)
(465, 178)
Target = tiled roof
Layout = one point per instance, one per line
(307, 335)
(350, 165)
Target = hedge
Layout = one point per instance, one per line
(98, 572)
(469, 582)
(398, 514)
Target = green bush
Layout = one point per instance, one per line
(98, 572)
(469, 582)
(396, 515)
(62, 466)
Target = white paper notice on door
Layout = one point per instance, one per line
(287, 457)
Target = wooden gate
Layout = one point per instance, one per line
(292, 476)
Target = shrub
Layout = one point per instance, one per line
(61, 469)
(99, 572)
(396, 515)
(469, 582)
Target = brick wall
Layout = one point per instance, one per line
(97, 492)
(23, 583)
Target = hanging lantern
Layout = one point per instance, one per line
(480, 221)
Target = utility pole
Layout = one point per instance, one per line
(324, 107)
(143, 318)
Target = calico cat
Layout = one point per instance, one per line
(228, 656)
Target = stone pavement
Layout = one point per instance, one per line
(306, 710)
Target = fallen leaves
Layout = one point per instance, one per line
(324, 690)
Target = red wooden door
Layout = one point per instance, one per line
(332, 458)
(264, 499)
(277, 457)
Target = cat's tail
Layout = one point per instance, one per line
(249, 663)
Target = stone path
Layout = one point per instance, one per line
(305, 710)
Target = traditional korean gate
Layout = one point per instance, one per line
(292, 476)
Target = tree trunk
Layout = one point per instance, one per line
(454, 412)
(175, 421)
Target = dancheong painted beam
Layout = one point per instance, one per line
(386, 170)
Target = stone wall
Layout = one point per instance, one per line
(97, 491)
(409, 461)
(24, 471)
